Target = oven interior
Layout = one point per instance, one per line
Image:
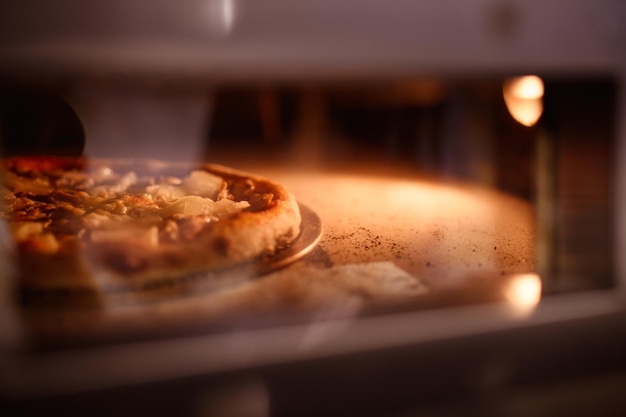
(467, 190)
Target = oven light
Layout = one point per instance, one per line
(523, 292)
(523, 97)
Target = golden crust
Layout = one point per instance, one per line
(270, 222)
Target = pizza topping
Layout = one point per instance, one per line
(260, 201)
(44, 243)
(193, 205)
(100, 173)
(34, 185)
(197, 183)
(64, 209)
(203, 184)
(75, 179)
(94, 220)
(116, 186)
(102, 206)
(165, 192)
(49, 243)
(25, 230)
(69, 195)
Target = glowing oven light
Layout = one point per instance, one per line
(523, 97)
(523, 292)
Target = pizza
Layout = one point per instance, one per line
(105, 225)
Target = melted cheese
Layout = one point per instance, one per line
(193, 205)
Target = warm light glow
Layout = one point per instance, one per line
(524, 292)
(527, 87)
(523, 97)
(222, 15)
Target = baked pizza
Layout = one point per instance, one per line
(80, 223)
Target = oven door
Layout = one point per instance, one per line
(459, 261)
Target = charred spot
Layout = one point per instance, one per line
(221, 245)
(241, 188)
(40, 198)
(65, 210)
(260, 202)
(125, 262)
(174, 259)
